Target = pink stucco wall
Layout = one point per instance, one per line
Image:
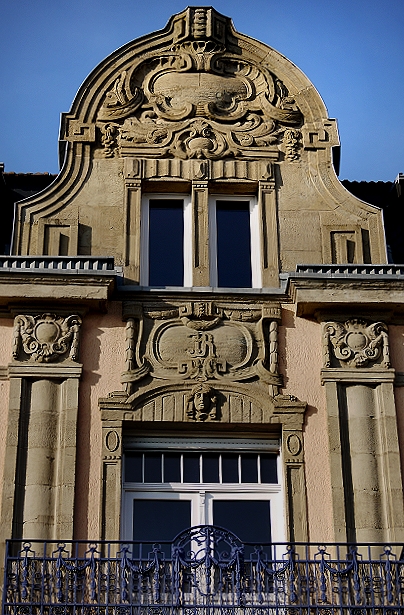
(102, 354)
(300, 363)
(396, 338)
(6, 337)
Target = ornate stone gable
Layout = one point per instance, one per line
(198, 98)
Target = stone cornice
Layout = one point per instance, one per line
(34, 288)
(68, 369)
(378, 291)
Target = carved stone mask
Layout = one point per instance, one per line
(201, 401)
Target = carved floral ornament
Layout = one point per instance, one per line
(46, 338)
(356, 343)
(198, 100)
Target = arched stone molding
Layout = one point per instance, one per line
(282, 416)
(32, 211)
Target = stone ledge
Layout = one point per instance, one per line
(67, 369)
(19, 288)
(315, 294)
(357, 375)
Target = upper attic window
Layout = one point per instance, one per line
(166, 228)
(166, 233)
(234, 242)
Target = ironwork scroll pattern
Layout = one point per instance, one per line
(207, 568)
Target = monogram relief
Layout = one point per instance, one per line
(46, 338)
(187, 352)
(200, 342)
(356, 344)
(197, 99)
(203, 363)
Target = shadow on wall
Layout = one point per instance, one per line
(90, 357)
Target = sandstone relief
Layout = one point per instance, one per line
(356, 343)
(202, 342)
(46, 338)
(198, 99)
(202, 403)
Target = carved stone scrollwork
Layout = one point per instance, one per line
(197, 99)
(46, 338)
(356, 344)
(202, 341)
(133, 372)
(202, 403)
(200, 316)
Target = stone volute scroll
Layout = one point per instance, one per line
(356, 343)
(46, 338)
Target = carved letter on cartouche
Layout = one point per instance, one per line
(355, 343)
(46, 338)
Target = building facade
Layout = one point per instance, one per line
(199, 328)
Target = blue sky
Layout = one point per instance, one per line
(352, 50)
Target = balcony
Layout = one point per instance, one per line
(204, 569)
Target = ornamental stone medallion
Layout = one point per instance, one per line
(46, 338)
(201, 353)
(356, 344)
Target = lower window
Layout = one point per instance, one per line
(167, 491)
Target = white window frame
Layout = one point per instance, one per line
(144, 236)
(202, 495)
(255, 238)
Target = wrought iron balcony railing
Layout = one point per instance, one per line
(204, 569)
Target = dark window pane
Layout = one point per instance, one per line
(191, 468)
(172, 467)
(230, 468)
(249, 469)
(133, 467)
(269, 472)
(156, 520)
(248, 519)
(233, 244)
(166, 237)
(152, 468)
(210, 467)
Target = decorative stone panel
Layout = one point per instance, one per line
(201, 341)
(46, 338)
(356, 343)
(198, 99)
